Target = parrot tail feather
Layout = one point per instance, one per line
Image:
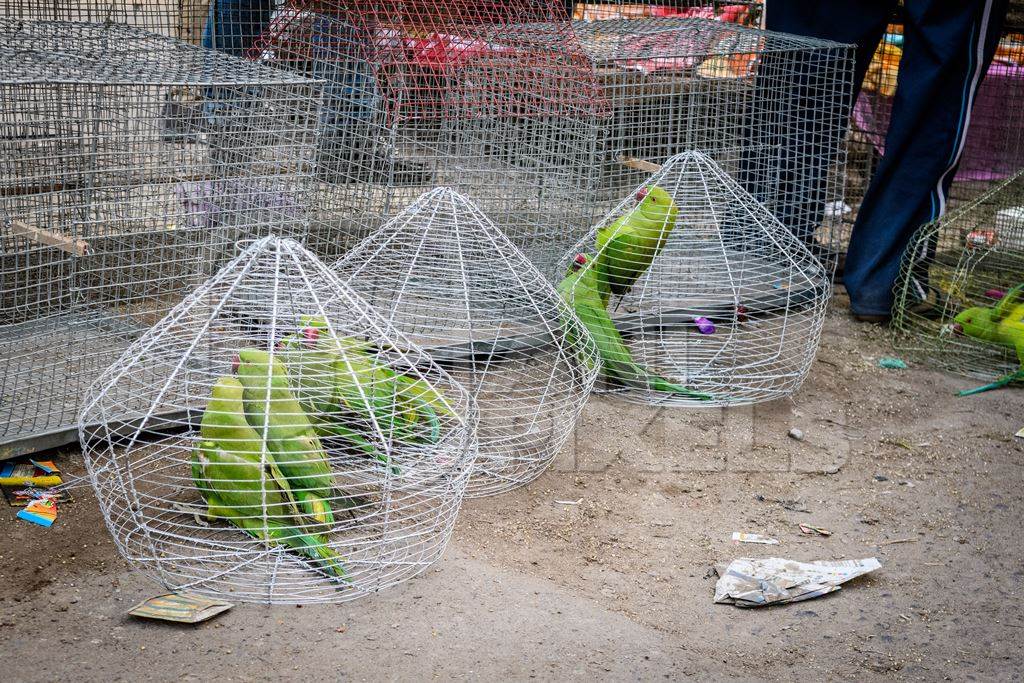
(635, 376)
(316, 549)
(998, 384)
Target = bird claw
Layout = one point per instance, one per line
(191, 510)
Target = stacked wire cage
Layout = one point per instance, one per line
(489, 98)
(695, 294)
(770, 109)
(994, 143)
(112, 204)
(272, 439)
(445, 275)
(183, 19)
(956, 271)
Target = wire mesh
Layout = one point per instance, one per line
(696, 294)
(969, 259)
(275, 439)
(994, 142)
(130, 163)
(184, 19)
(770, 109)
(461, 94)
(447, 277)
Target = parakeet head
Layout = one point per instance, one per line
(311, 334)
(974, 322)
(656, 204)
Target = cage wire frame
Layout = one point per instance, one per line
(994, 142)
(428, 93)
(176, 486)
(446, 276)
(183, 19)
(771, 109)
(732, 304)
(969, 257)
(113, 205)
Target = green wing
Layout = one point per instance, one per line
(1006, 305)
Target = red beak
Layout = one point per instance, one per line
(958, 328)
(235, 362)
(311, 334)
(581, 259)
(641, 194)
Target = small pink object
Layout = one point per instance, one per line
(235, 362)
(995, 293)
(704, 326)
(581, 259)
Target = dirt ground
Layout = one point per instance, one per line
(620, 585)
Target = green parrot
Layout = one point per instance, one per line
(627, 247)
(241, 484)
(340, 376)
(580, 290)
(271, 406)
(1002, 324)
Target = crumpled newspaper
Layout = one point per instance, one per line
(756, 582)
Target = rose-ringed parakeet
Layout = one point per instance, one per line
(241, 483)
(1002, 324)
(580, 290)
(343, 379)
(627, 247)
(271, 408)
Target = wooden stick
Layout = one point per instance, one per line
(50, 238)
(639, 164)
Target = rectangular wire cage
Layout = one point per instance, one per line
(130, 165)
(769, 108)
(994, 144)
(184, 19)
(489, 98)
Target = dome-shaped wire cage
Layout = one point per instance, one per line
(959, 300)
(448, 278)
(274, 439)
(697, 295)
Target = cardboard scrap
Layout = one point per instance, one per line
(739, 537)
(185, 608)
(41, 511)
(756, 582)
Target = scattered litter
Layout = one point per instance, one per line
(897, 442)
(796, 434)
(881, 477)
(660, 523)
(568, 502)
(739, 537)
(41, 511)
(750, 582)
(907, 483)
(889, 363)
(836, 209)
(181, 607)
(704, 325)
(811, 529)
(1020, 433)
(898, 540)
(32, 472)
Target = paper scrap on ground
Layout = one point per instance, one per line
(183, 607)
(811, 529)
(1020, 434)
(41, 511)
(756, 582)
(738, 537)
